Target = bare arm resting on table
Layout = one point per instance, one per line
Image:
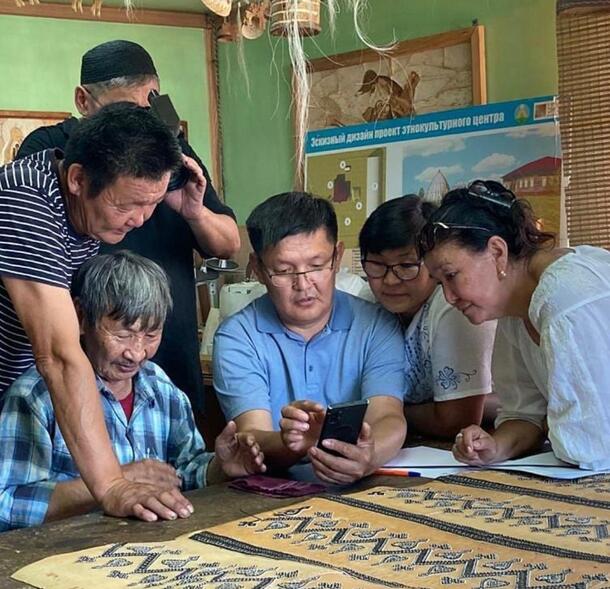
(73, 498)
(49, 319)
(444, 419)
(512, 439)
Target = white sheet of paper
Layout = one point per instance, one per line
(433, 463)
(423, 456)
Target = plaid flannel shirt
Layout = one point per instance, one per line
(34, 456)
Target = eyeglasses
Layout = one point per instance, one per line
(404, 271)
(437, 231)
(286, 279)
(93, 96)
(492, 192)
(140, 338)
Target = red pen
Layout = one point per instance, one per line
(397, 472)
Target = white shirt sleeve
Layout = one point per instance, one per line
(460, 353)
(576, 345)
(519, 396)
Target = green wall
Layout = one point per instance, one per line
(40, 65)
(257, 130)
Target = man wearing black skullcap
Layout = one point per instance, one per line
(123, 70)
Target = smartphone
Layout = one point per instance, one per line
(343, 422)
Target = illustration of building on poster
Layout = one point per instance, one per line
(516, 143)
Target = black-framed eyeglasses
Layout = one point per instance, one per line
(438, 231)
(313, 276)
(493, 192)
(92, 96)
(403, 271)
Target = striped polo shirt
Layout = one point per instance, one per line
(37, 242)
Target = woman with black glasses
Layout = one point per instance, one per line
(551, 365)
(449, 360)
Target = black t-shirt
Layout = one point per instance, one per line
(167, 239)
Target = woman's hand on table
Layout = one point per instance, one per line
(474, 446)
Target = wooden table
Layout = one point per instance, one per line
(213, 505)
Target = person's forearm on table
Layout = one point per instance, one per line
(517, 437)
(444, 419)
(70, 498)
(389, 435)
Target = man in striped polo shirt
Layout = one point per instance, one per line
(54, 211)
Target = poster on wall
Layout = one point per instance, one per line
(516, 143)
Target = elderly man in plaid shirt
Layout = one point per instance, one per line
(122, 300)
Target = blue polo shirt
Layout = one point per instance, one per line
(259, 364)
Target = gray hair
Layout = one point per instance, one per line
(124, 286)
(99, 88)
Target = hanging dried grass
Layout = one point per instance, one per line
(241, 53)
(358, 7)
(301, 80)
(301, 90)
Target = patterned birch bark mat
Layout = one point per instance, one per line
(482, 530)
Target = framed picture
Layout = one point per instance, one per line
(418, 76)
(16, 125)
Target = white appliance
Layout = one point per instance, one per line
(234, 297)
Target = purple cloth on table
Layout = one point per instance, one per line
(274, 487)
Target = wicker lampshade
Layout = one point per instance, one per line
(254, 19)
(285, 12)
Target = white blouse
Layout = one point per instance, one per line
(447, 357)
(567, 377)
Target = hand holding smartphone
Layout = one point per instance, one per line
(343, 422)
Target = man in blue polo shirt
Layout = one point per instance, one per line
(304, 345)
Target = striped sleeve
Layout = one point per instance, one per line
(33, 236)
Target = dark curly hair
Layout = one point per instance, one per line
(470, 216)
(122, 139)
(395, 224)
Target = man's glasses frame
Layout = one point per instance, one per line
(313, 276)
(92, 96)
(408, 267)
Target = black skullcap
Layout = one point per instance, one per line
(115, 59)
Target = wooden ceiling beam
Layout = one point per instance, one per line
(139, 16)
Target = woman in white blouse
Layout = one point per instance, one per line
(551, 365)
(448, 359)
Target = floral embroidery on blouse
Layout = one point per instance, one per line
(448, 378)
